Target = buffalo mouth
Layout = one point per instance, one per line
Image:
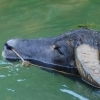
(7, 51)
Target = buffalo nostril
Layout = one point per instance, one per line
(8, 47)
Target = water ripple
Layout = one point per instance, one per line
(74, 94)
(5, 63)
(2, 76)
(10, 90)
(21, 80)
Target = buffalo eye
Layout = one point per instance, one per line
(59, 49)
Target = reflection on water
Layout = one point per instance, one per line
(46, 18)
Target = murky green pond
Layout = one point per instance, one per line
(43, 18)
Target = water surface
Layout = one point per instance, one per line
(46, 18)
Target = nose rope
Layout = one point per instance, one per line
(18, 55)
(27, 64)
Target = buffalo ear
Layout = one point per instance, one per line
(87, 63)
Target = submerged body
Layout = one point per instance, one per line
(57, 52)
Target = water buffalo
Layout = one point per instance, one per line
(57, 52)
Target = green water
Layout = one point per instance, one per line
(43, 18)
